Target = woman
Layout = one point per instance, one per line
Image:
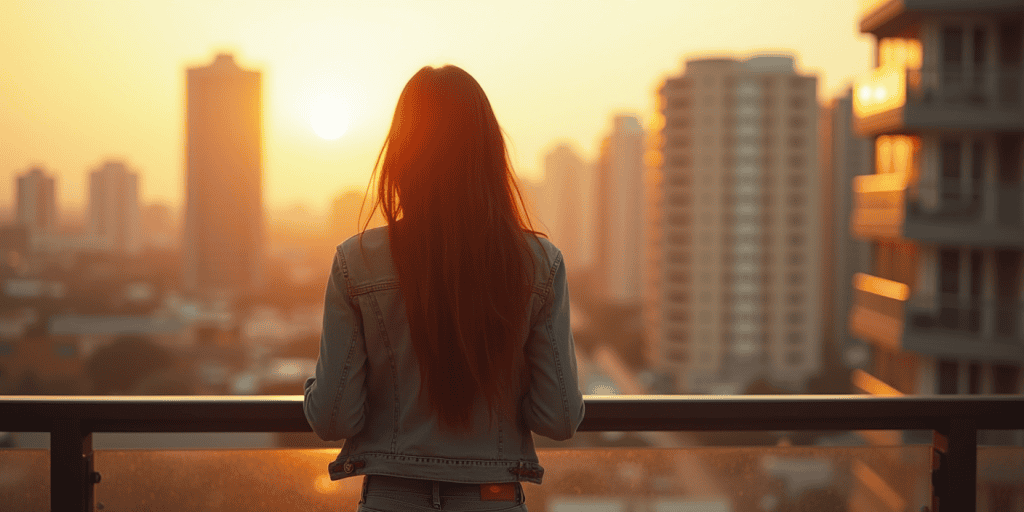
(446, 334)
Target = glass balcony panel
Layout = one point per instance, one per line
(730, 479)
(24, 479)
(953, 87)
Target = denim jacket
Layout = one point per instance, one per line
(367, 380)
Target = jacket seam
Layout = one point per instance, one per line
(554, 348)
(370, 288)
(343, 264)
(394, 371)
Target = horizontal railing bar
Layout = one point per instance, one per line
(603, 413)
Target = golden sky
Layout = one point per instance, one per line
(88, 80)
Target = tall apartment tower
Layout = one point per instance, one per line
(566, 205)
(114, 215)
(844, 155)
(223, 239)
(619, 205)
(36, 202)
(735, 257)
(943, 306)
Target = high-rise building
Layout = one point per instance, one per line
(114, 208)
(36, 203)
(735, 256)
(223, 239)
(619, 208)
(566, 213)
(943, 307)
(845, 154)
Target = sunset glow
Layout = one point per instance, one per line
(329, 117)
(81, 85)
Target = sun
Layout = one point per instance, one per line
(329, 116)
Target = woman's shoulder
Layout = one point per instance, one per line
(544, 252)
(366, 257)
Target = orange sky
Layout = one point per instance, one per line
(81, 82)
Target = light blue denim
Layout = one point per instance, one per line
(367, 384)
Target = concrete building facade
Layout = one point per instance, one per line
(619, 208)
(223, 238)
(566, 211)
(36, 202)
(943, 306)
(734, 267)
(114, 216)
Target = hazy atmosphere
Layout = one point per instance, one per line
(80, 86)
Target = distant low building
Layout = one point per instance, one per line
(114, 208)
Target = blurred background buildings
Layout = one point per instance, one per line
(223, 243)
(749, 238)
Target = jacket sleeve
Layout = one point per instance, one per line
(553, 407)
(335, 398)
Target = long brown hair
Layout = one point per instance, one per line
(459, 239)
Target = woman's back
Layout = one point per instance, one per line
(446, 333)
(373, 395)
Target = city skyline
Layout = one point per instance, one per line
(542, 98)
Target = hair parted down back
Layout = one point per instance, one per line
(459, 239)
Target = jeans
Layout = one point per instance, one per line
(394, 494)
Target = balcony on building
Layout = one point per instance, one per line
(965, 189)
(947, 325)
(893, 18)
(945, 73)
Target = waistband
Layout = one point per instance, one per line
(415, 485)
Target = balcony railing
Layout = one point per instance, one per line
(955, 420)
(973, 213)
(897, 100)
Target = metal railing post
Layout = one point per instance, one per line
(71, 468)
(955, 467)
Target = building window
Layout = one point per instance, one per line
(679, 161)
(65, 350)
(794, 358)
(795, 317)
(676, 336)
(974, 379)
(678, 103)
(795, 338)
(678, 355)
(1006, 379)
(796, 122)
(679, 142)
(679, 122)
(678, 219)
(948, 374)
(796, 142)
(796, 162)
(678, 257)
(796, 240)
